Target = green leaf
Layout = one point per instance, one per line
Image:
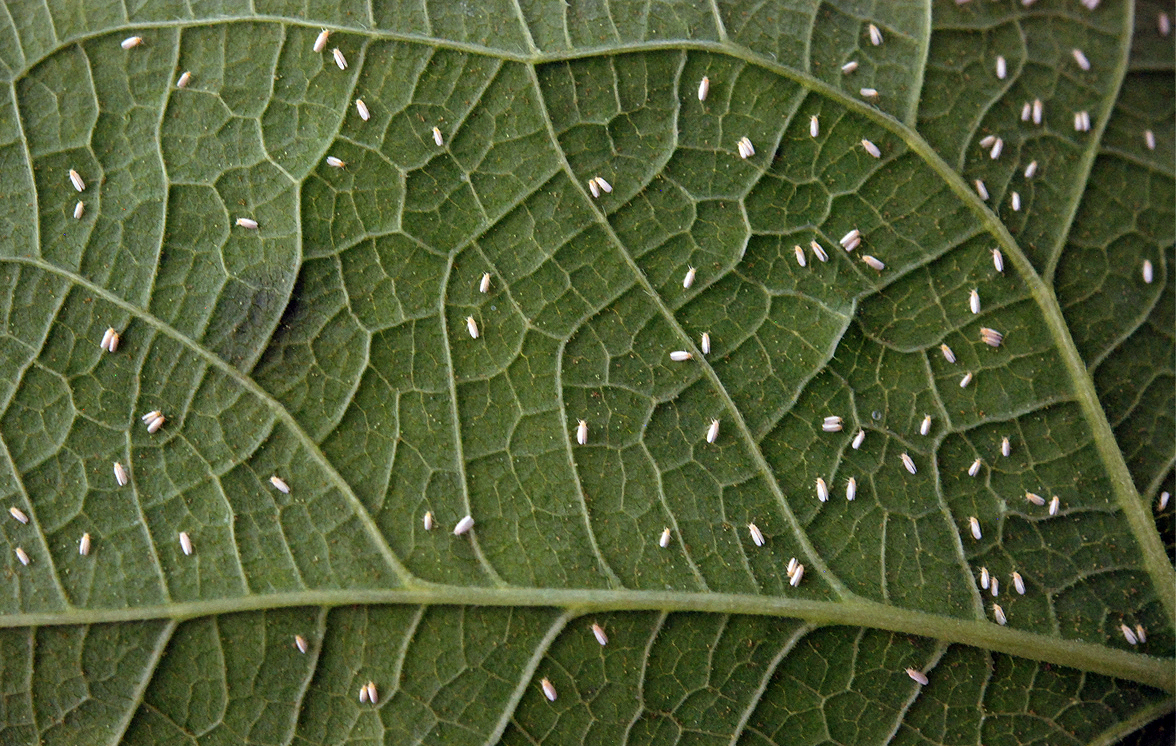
(329, 347)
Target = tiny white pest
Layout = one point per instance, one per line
(851, 489)
(131, 42)
(984, 578)
(185, 543)
(981, 189)
(746, 149)
(965, 380)
(851, 238)
(373, 694)
(853, 243)
(154, 425)
(868, 92)
(1148, 271)
(151, 415)
(1128, 635)
(796, 576)
(1038, 110)
(484, 285)
(873, 262)
(871, 148)
(1164, 23)
(849, 67)
(757, 536)
(1018, 583)
(1035, 498)
(598, 631)
(999, 615)
(832, 424)
(427, 521)
(79, 210)
(363, 694)
(1082, 121)
(249, 223)
(1162, 503)
(84, 545)
(974, 525)
(76, 179)
(679, 356)
(1031, 169)
(995, 585)
(998, 260)
(1080, 58)
(703, 88)
(1005, 447)
(819, 251)
(1026, 111)
(320, 41)
(582, 432)
(712, 432)
(948, 355)
(1015, 201)
(1149, 139)
(604, 185)
(1141, 633)
(548, 689)
(974, 300)
(974, 469)
(472, 327)
(908, 462)
(185, 79)
(688, 280)
(822, 490)
(334, 162)
(814, 126)
(664, 541)
(858, 439)
(120, 474)
(106, 337)
(1054, 503)
(875, 35)
(918, 676)
(22, 555)
(990, 337)
(1002, 68)
(463, 526)
(300, 643)
(362, 109)
(593, 189)
(340, 60)
(987, 141)
(280, 484)
(997, 149)
(792, 566)
(18, 514)
(925, 427)
(704, 345)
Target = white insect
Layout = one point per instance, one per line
(974, 525)
(593, 189)
(664, 541)
(875, 35)
(601, 637)
(1005, 447)
(679, 356)
(712, 432)
(437, 137)
(484, 285)
(981, 189)
(18, 514)
(1015, 201)
(156, 423)
(280, 484)
(851, 489)
(757, 536)
(705, 343)
(822, 490)
(22, 555)
(703, 88)
(868, 92)
(463, 526)
(873, 262)
(1162, 503)
(974, 300)
(998, 260)
(372, 693)
(1149, 139)
(832, 424)
(1128, 635)
(1026, 112)
(84, 545)
(120, 474)
(320, 41)
(185, 79)
(796, 576)
(909, 463)
(990, 337)
(548, 689)
(871, 148)
(984, 578)
(948, 355)
(688, 280)
(746, 149)
(1035, 498)
(853, 238)
(918, 676)
(334, 162)
(472, 327)
(995, 587)
(300, 643)
(997, 149)
(849, 67)
(76, 179)
(999, 615)
(131, 42)
(1141, 633)
(925, 427)
(428, 520)
(974, 469)
(1148, 271)
(987, 141)
(1002, 68)
(1054, 504)
(858, 439)
(1018, 583)
(1038, 111)
(1080, 58)
(79, 210)
(151, 415)
(819, 251)
(185, 543)
(109, 340)
(965, 380)
(1082, 121)
(1164, 23)
(340, 60)
(249, 223)
(582, 432)
(1031, 169)
(792, 563)
(814, 126)
(363, 694)
(362, 108)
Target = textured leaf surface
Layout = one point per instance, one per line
(330, 346)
